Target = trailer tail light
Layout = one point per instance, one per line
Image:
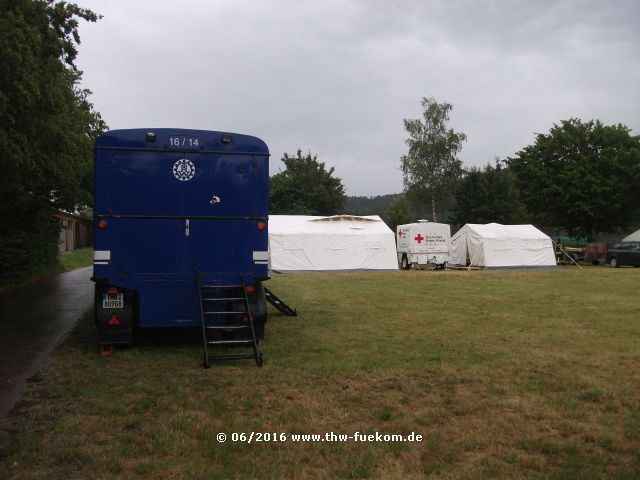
(114, 320)
(261, 226)
(250, 289)
(102, 224)
(112, 291)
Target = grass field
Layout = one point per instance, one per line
(82, 257)
(509, 374)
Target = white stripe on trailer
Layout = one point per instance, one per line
(102, 255)
(261, 256)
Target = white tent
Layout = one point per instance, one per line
(343, 242)
(502, 246)
(634, 237)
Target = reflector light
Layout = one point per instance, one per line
(102, 224)
(260, 226)
(250, 289)
(112, 291)
(113, 320)
(106, 350)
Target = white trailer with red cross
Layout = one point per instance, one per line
(423, 243)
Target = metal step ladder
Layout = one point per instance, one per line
(279, 304)
(225, 314)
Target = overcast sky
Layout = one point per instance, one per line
(337, 77)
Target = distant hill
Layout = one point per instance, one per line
(378, 205)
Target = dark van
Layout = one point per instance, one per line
(625, 253)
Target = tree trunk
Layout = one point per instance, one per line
(433, 207)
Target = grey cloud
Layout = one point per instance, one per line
(338, 77)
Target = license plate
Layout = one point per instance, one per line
(113, 302)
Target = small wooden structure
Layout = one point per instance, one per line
(75, 231)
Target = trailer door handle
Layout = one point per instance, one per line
(186, 227)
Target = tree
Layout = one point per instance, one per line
(398, 212)
(488, 195)
(580, 176)
(47, 129)
(306, 187)
(431, 165)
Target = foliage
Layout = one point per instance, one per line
(306, 187)
(583, 177)
(30, 245)
(398, 212)
(47, 127)
(431, 165)
(374, 205)
(380, 205)
(488, 195)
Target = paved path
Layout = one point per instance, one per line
(34, 319)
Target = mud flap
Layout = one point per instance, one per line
(113, 321)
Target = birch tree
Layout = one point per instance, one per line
(431, 166)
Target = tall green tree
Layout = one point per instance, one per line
(398, 212)
(431, 166)
(47, 129)
(306, 187)
(581, 176)
(488, 195)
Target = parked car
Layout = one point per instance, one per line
(625, 253)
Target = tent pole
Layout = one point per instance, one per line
(471, 261)
(566, 254)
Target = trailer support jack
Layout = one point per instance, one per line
(279, 304)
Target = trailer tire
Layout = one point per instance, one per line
(260, 313)
(614, 263)
(405, 263)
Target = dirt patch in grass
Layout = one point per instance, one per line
(504, 374)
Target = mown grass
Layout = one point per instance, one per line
(82, 257)
(506, 374)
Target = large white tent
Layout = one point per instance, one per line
(300, 243)
(502, 246)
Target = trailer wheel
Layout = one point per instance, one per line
(405, 263)
(614, 263)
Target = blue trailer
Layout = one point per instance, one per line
(181, 236)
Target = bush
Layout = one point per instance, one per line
(29, 243)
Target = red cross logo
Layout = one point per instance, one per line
(400, 233)
(418, 238)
